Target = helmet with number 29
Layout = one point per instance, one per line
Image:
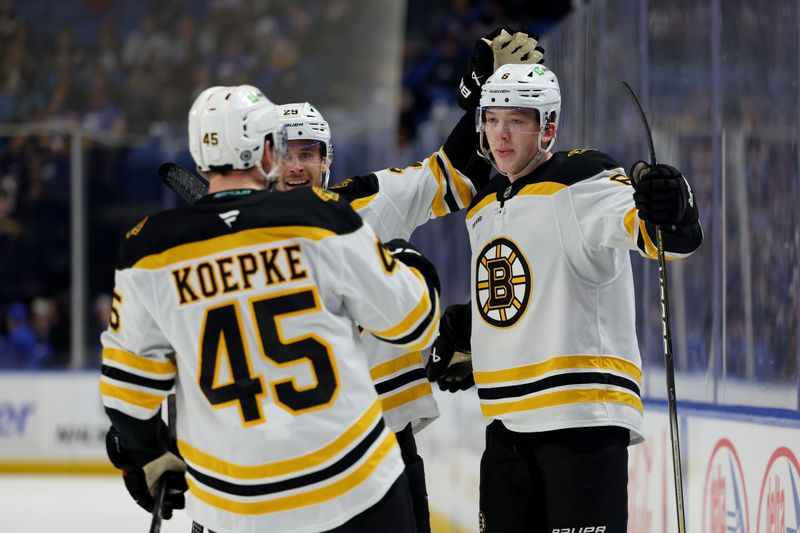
(304, 123)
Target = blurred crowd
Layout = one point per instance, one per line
(126, 71)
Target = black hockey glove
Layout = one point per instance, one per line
(450, 362)
(501, 46)
(142, 470)
(662, 194)
(409, 255)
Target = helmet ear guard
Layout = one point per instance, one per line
(303, 122)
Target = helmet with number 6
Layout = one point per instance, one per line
(228, 127)
(521, 86)
(303, 122)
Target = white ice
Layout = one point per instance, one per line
(75, 504)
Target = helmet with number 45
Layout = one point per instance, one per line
(230, 127)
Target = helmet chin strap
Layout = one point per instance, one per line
(270, 176)
(326, 176)
(535, 160)
(274, 171)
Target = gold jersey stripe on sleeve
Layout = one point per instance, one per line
(649, 247)
(630, 222)
(545, 188)
(650, 250)
(360, 203)
(565, 397)
(460, 185)
(421, 310)
(241, 239)
(133, 397)
(288, 466)
(438, 205)
(395, 365)
(138, 362)
(406, 396)
(433, 328)
(491, 198)
(565, 362)
(302, 499)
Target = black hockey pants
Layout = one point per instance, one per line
(554, 481)
(415, 470)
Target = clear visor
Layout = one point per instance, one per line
(491, 119)
(304, 152)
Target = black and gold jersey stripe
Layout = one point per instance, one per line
(401, 380)
(294, 482)
(564, 168)
(561, 380)
(138, 381)
(302, 210)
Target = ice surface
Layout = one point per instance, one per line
(75, 504)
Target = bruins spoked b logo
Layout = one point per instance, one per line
(502, 283)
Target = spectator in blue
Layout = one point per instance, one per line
(22, 349)
(20, 340)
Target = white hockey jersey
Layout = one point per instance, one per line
(394, 202)
(248, 303)
(553, 330)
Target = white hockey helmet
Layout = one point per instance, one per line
(521, 85)
(228, 127)
(302, 121)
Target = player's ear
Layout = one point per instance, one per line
(266, 157)
(549, 132)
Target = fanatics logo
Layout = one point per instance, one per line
(502, 283)
(229, 217)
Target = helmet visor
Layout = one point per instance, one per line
(304, 152)
(491, 119)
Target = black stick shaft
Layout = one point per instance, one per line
(672, 400)
(669, 363)
(161, 492)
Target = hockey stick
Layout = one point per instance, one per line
(188, 186)
(668, 359)
(161, 492)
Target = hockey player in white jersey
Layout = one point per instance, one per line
(398, 374)
(247, 303)
(553, 341)
(395, 202)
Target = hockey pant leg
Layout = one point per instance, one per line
(505, 484)
(415, 470)
(585, 472)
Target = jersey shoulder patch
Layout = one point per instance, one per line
(356, 187)
(577, 165)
